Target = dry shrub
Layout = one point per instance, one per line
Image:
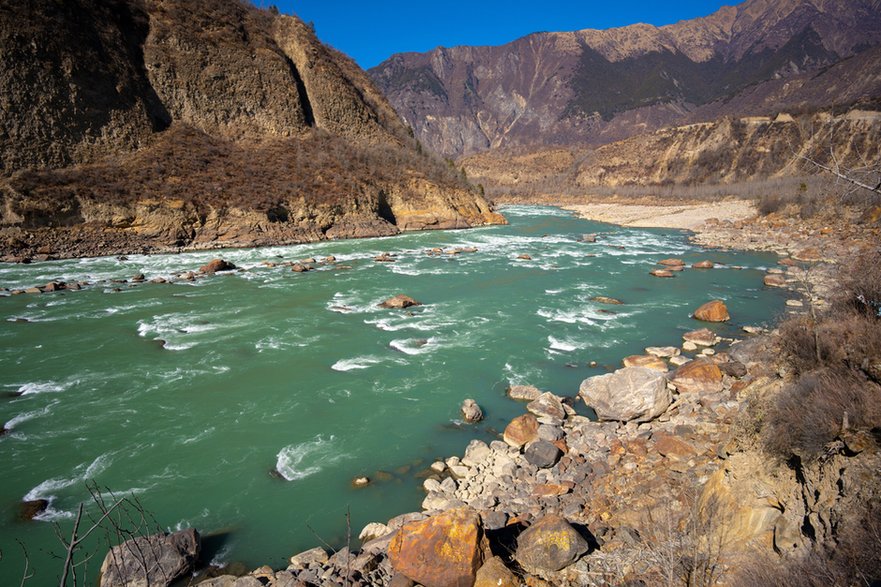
(843, 340)
(809, 414)
(770, 203)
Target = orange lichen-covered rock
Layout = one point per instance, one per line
(443, 550)
(714, 311)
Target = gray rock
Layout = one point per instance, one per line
(550, 433)
(315, 555)
(493, 520)
(524, 392)
(542, 454)
(476, 453)
(633, 393)
(372, 531)
(158, 559)
(551, 544)
(547, 407)
(471, 412)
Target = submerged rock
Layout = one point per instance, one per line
(524, 257)
(648, 361)
(661, 273)
(217, 265)
(399, 302)
(672, 263)
(703, 265)
(360, 481)
(702, 337)
(300, 268)
(632, 393)
(159, 559)
(28, 510)
(607, 300)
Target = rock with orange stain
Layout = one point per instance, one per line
(444, 550)
(522, 430)
(698, 376)
(714, 311)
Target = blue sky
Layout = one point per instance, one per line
(371, 31)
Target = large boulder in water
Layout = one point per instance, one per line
(471, 412)
(216, 265)
(551, 544)
(714, 311)
(630, 394)
(446, 549)
(399, 302)
(156, 560)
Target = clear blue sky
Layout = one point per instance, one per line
(372, 30)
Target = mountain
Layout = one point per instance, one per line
(139, 125)
(596, 87)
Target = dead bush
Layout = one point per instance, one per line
(810, 413)
(770, 203)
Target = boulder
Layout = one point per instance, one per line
(399, 302)
(360, 481)
(315, 555)
(629, 394)
(701, 337)
(524, 392)
(648, 361)
(372, 531)
(542, 454)
(299, 268)
(28, 510)
(672, 262)
(607, 300)
(703, 265)
(217, 265)
(330, 259)
(384, 258)
(138, 278)
(158, 559)
(547, 407)
(662, 351)
(589, 238)
(471, 412)
(522, 430)
(713, 311)
(733, 369)
(494, 573)
(661, 273)
(772, 280)
(698, 376)
(524, 257)
(549, 545)
(446, 549)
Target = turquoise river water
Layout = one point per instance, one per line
(189, 394)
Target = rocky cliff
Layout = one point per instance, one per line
(596, 87)
(139, 125)
(724, 152)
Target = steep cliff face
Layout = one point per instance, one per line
(599, 86)
(727, 151)
(145, 124)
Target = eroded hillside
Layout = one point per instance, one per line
(137, 125)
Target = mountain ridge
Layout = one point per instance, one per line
(563, 88)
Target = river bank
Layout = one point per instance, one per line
(631, 493)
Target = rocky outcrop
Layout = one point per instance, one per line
(158, 559)
(632, 393)
(597, 87)
(118, 123)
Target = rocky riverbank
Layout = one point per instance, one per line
(670, 480)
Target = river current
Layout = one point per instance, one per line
(189, 395)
